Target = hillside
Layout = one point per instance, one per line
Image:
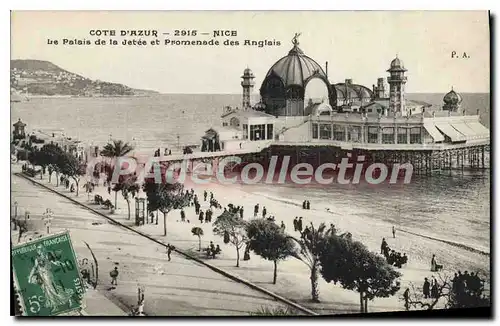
(38, 77)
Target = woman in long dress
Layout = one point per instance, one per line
(41, 274)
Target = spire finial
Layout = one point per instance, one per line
(452, 87)
(295, 40)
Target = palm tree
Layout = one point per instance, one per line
(308, 253)
(197, 231)
(114, 150)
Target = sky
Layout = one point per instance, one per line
(357, 45)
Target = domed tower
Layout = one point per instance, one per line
(452, 101)
(283, 88)
(397, 81)
(247, 84)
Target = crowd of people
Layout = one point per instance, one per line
(430, 289)
(165, 153)
(212, 250)
(393, 257)
(471, 282)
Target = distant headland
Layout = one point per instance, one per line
(38, 78)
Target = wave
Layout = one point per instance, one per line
(451, 243)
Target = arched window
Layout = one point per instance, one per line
(234, 122)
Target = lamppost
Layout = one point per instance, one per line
(178, 143)
(140, 300)
(15, 215)
(47, 218)
(140, 200)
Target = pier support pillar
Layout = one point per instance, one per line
(482, 157)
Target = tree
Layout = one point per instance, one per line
(54, 156)
(352, 265)
(451, 293)
(165, 197)
(116, 149)
(269, 241)
(38, 157)
(235, 228)
(197, 231)
(308, 253)
(129, 188)
(71, 167)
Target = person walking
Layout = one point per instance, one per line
(406, 296)
(426, 288)
(207, 216)
(169, 250)
(383, 246)
(393, 231)
(183, 216)
(434, 289)
(114, 275)
(299, 224)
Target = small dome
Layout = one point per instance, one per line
(247, 73)
(353, 91)
(397, 63)
(452, 97)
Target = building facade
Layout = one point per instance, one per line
(353, 116)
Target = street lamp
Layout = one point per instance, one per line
(140, 200)
(15, 215)
(47, 218)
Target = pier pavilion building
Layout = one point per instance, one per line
(379, 122)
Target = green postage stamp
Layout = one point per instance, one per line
(47, 276)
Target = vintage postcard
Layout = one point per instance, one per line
(250, 163)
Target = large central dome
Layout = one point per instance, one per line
(283, 88)
(296, 68)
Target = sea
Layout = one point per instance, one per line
(452, 207)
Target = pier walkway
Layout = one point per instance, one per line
(247, 148)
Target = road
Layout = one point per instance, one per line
(180, 287)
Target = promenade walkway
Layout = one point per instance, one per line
(176, 287)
